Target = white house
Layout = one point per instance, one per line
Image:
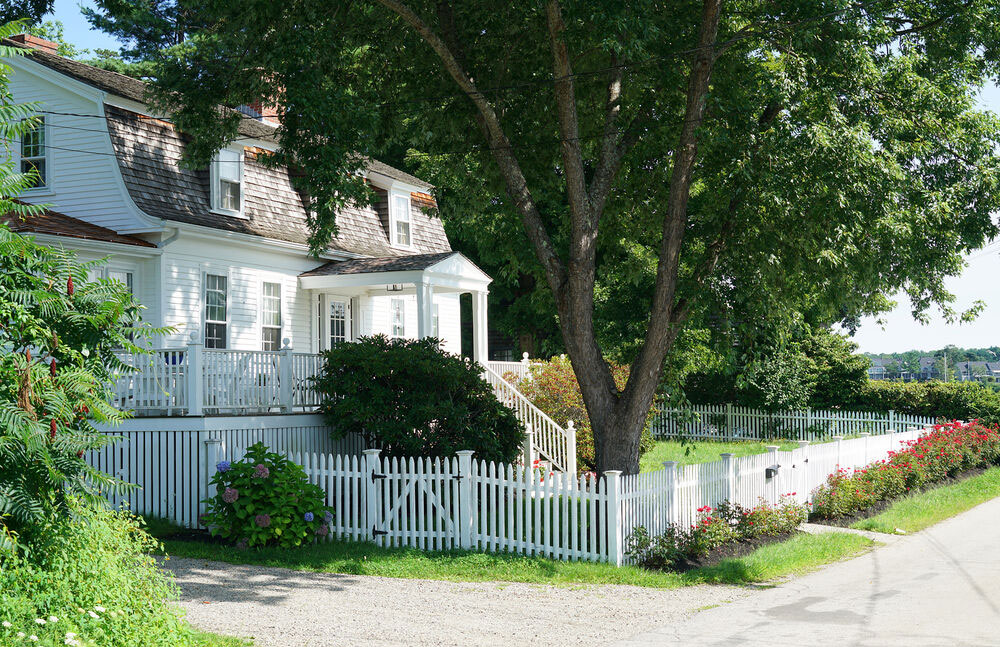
(220, 255)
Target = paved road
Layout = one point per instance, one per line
(935, 588)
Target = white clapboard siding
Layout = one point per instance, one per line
(734, 422)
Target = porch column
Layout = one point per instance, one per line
(480, 348)
(425, 309)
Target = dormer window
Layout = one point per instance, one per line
(33, 154)
(401, 222)
(227, 182)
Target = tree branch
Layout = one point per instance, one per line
(933, 23)
(499, 144)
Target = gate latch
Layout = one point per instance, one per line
(378, 533)
(376, 477)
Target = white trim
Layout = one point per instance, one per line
(99, 246)
(216, 180)
(257, 242)
(206, 269)
(47, 189)
(394, 219)
(392, 318)
(215, 423)
(281, 312)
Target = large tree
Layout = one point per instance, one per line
(750, 157)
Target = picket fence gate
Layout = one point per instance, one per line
(735, 422)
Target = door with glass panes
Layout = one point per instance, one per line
(333, 321)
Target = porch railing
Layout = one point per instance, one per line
(194, 381)
(520, 370)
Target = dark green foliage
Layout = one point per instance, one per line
(99, 563)
(266, 500)
(411, 398)
(837, 373)
(948, 400)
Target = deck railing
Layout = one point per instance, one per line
(195, 381)
(520, 370)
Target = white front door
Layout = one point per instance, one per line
(334, 320)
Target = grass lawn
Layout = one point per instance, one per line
(215, 640)
(703, 451)
(800, 554)
(925, 509)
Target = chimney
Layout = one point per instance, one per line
(268, 114)
(34, 42)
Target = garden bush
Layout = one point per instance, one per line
(266, 500)
(727, 523)
(410, 398)
(552, 387)
(947, 450)
(89, 581)
(942, 400)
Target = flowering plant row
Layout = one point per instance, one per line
(729, 522)
(946, 450)
(266, 499)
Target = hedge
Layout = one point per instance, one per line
(949, 400)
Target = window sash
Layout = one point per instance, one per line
(270, 307)
(434, 322)
(338, 322)
(33, 153)
(216, 310)
(402, 220)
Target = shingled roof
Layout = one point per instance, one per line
(58, 224)
(372, 265)
(136, 90)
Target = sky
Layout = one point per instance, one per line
(894, 331)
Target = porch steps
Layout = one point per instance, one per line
(548, 441)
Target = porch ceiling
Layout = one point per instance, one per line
(447, 271)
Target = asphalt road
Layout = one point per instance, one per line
(934, 588)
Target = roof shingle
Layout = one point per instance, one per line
(57, 224)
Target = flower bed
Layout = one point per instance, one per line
(947, 451)
(725, 531)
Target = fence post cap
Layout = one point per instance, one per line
(524, 356)
(772, 448)
(194, 337)
(837, 437)
(613, 473)
(726, 455)
(569, 424)
(213, 441)
(865, 434)
(462, 453)
(371, 452)
(668, 464)
(804, 443)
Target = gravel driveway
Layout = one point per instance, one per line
(286, 608)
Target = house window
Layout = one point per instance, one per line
(216, 311)
(270, 311)
(124, 277)
(398, 310)
(401, 220)
(33, 157)
(227, 182)
(338, 322)
(434, 322)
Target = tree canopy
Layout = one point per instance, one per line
(742, 164)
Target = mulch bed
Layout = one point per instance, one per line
(194, 534)
(846, 520)
(732, 550)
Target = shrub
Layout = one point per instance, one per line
(411, 398)
(91, 581)
(943, 400)
(266, 499)
(553, 388)
(947, 450)
(729, 522)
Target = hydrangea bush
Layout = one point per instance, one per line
(948, 449)
(729, 522)
(266, 500)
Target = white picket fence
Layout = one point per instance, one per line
(734, 422)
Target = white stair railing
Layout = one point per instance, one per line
(550, 441)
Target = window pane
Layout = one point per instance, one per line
(33, 141)
(398, 318)
(338, 322)
(271, 338)
(228, 163)
(229, 195)
(122, 277)
(271, 304)
(401, 215)
(36, 165)
(434, 321)
(215, 298)
(402, 233)
(215, 335)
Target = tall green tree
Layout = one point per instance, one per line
(749, 157)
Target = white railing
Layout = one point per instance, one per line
(734, 422)
(195, 380)
(546, 438)
(159, 381)
(520, 370)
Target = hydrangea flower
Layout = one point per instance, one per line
(229, 495)
(261, 472)
(328, 516)
(263, 520)
(308, 516)
(322, 530)
(223, 466)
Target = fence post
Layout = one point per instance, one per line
(809, 423)
(212, 453)
(729, 472)
(466, 516)
(840, 441)
(195, 376)
(570, 448)
(371, 460)
(730, 422)
(286, 376)
(866, 436)
(803, 481)
(672, 495)
(775, 493)
(525, 364)
(892, 419)
(528, 447)
(612, 480)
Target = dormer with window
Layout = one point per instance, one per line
(34, 155)
(226, 176)
(400, 221)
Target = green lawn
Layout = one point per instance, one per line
(689, 452)
(925, 509)
(799, 554)
(215, 640)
